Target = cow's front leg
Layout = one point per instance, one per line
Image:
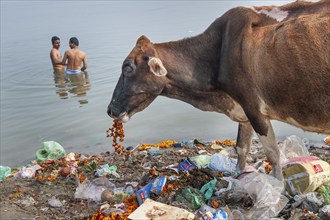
(243, 143)
(272, 151)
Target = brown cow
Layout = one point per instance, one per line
(252, 64)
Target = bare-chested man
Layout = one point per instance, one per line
(75, 57)
(56, 56)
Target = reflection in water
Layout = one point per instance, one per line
(76, 84)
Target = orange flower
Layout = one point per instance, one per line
(215, 204)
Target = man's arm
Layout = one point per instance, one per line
(55, 58)
(65, 57)
(84, 63)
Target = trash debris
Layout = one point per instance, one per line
(222, 162)
(155, 210)
(107, 170)
(51, 151)
(201, 161)
(194, 198)
(292, 147)
(324, 189)
(180, 176)
(155, 151)
(327, 140)
(308, 201)
(155, 186)
(162, 144)
(208, 188)
(53, 202)
(29, 201)
(187, 165)
(93, 190)
(27, 172)
(4, 172)
(266, 191)
(305, 174)
(325, 212)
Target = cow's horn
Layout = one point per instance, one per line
(157, 67)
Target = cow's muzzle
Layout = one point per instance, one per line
(115, 113)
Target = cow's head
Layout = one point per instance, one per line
(141, 81)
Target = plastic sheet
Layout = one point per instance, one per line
(266, 192)
(222, 163)
(292, 147)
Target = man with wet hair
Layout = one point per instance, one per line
(75, 57)
(55, 55)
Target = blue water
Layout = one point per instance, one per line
(38, 106)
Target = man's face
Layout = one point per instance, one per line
(57, 44)
(71, 45)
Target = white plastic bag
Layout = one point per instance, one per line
(266, 192)
(222, 163)
(292, 147)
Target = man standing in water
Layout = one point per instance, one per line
(56, 56)
(75, 57)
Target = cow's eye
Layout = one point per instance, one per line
(145, 58)
(127, 69)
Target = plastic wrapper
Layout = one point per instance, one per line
(155, 186)
(305, 174)
(266, 193)
(187, 165)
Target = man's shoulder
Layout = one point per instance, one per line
(54, 51)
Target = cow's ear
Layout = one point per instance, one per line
(157, 67)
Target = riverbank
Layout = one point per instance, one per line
(56, 190)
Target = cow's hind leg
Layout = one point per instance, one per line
(244, 136)
(272, 151)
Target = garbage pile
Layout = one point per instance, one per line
(189, 180)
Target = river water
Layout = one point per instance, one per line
(38, 106)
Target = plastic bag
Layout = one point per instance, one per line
(201, 161)
(266, 192)
(4, 172)
(222, 163)
(27, 172)
(292, 147)
(208, 188)
(93, 190)
(53, 202)
(106, 169)
(191, 196)
(325, 191)
(51, 151)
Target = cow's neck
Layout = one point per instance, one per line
(192, 66)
